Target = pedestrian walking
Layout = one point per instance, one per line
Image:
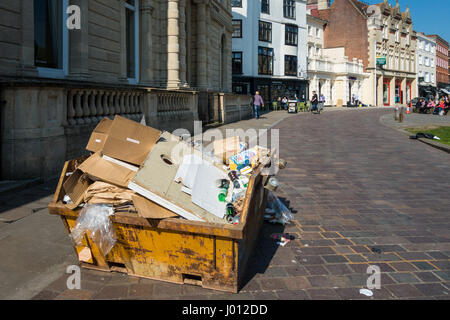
(258, 102)
(314, 101)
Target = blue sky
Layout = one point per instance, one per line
(429, 16)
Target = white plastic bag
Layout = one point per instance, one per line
(276, 211)
(95, 219)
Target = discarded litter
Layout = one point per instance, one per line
(94, 218)
(282, 238)
(276, 211)
(366, 292)
(425, 135)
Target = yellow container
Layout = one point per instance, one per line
(211, 255)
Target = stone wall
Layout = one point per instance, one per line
(234, 107)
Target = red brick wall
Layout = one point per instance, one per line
(347, 28)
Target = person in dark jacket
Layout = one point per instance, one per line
(314, 101)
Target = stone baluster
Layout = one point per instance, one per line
(121, 107)
(85, 106)
(92, 106)
(78, 108)
(99, 105)
(110, 100)
(70, 109)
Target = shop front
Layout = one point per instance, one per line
(271, 89)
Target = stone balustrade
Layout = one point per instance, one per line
(234, 107)
(89, 106)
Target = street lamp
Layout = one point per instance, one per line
(374, 23)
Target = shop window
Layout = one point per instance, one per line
(237, 62)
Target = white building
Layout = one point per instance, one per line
(269, 48)
(426, 63)
(330, 72)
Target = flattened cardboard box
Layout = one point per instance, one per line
(107, 171)
(99, 135)
(224, 149)
(75, 187)
(130, 141)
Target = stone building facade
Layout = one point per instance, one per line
(269, 48)
(426, 65)
(168, 62)
(330, 71)
(382, 31)
(442, 57)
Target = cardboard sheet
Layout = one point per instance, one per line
(205, 192)
(155, 181)
(188, 170)
(75, 187)
(130, 141)
(99, 135)
(151, 210)
(97, 167)
(224, 149)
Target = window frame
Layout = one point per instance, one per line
(268, 30)
(240, 28)
(292, 5)
(59, 73)
(286, 33)
(233, 62)
(287, 62)
(268, 7)
(267, 56)
(239, 6)
(134, 8)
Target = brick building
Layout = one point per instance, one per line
(382, 31)
(166, 61)
(442, 58)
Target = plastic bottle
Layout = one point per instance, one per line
(234, 178)
(236, 219)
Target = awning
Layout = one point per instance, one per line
(445, 91)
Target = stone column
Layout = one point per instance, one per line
(122, 76)
(403, 90)
(27, 44)
(182, 42)
(392, 91)
(202, 81)
(173, 45)
(79, 44)
(380, 101)
(147, 43)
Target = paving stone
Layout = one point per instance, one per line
(414, 255)
(427, 277)
(296, 271)
(45, 295)
(141, 290)
(359, 267)
(323, 294)
(292, 295)
(404, 290)
(75, 295)
(437, 255)
(296, 283)
(404, 277)
(444, 275)
(316, 250)
(317, 270)
(432, 289)
(112, 292)
(272, 284)
(338, 269)
(320, 281)
(265, 295)
(308, 260)
(334, 259)
(343, 250)
(422, 265)
(355, 258)
(442, 264)
(163, 289)
(403, 266)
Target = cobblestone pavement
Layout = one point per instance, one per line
(361, 193)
